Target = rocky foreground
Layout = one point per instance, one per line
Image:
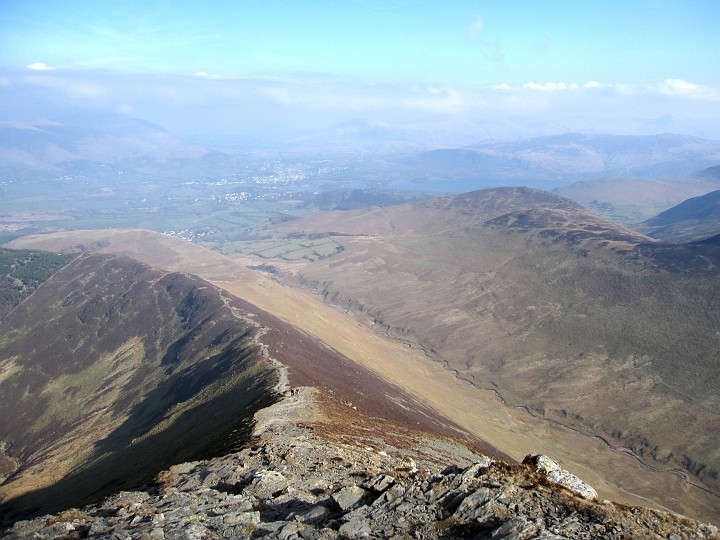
(293, 483)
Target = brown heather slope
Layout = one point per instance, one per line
(114, 370)
(579, 321)
(104, 373)
(615, 473)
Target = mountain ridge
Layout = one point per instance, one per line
(85, 417)
(608, 318)
(295, 482)
(78, 408)
(422, 366)
(694, 219)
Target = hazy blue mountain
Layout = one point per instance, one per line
(571, 156)
(92, 141)
(423, 156)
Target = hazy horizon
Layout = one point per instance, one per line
(451, 73)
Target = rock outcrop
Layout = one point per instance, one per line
(293, 484)
(557, 474)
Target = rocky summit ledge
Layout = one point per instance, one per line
(293, 484)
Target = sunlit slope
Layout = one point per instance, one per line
(112, 371)
(616, 474)
(579, 320)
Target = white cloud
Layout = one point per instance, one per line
(447, 101)
(476, 27)
(212, 76)
(39, 66)
(682, 88)
(194, 103)
(550, 86)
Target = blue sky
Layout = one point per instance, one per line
(623, 66)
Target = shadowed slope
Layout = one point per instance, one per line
(114, 370)
(694, 219)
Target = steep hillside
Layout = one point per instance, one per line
(630, 200)
(107, 367)
(114, 370)
(22, 271)
(466, 273)
(568, 315)
(695, 219)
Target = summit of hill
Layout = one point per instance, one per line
(572, 317)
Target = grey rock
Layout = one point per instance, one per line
(98, 529)
(157, 534)
(394, 493)
(516, 528)
(267, 485)
(472, 502)
(268, 528)
(557, 474)
(547, 535)
(355, 529)
(476, 468)
(125, 499)
(237, 518)
(315, 514)
(288, 531)
(379, 483)
(348, 497)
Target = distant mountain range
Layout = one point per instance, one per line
(562, 158)
(546, 162)
(101, 142)
(110, 142)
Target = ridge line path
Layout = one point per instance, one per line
(615, 475)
